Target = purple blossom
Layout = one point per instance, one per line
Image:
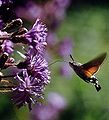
(44, 112)
(62, 3)
(48, 56)
(55, 104)
(2, 38)
(28, 91)
(65, 47)
(39, 67)
(32, 74)
(32, 80)
(7, 46)
(37, 36)
(52, 38)
(36, 65)
(53, 15)
(31, 10)
(57, 101)
(3, 33)
(52, 12)
(54, 9)
(65, 70)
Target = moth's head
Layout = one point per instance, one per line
(71, 57)
(74, 63)
(71, 64)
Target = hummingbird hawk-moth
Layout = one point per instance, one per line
(87, 71)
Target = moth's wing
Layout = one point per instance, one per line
(92, 66)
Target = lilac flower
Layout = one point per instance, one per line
(36, 66)
(50, 111)
(39, 68)
(52, 38)
(2, 37)
(52, 12)
(57, 101)
(32, 75)
(48, 56)
(32, 80)
(53, 15)
(65, 47)
(44, 112)
(35, 10)
(3, 33)
(28, 91)
(31, 10)
(62, 3)
(7, 46)
(65, 70)
(53, 9)
(37, 35)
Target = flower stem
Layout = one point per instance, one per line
(7, 76)
(3, 37)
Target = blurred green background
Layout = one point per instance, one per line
(88, 25)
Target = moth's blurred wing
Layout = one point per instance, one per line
(92, 66)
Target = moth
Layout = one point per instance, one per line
(88, 70)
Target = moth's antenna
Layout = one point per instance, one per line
(56, 62)
(71, 57)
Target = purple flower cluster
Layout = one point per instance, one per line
(52, 12)
(55, 105)
(65, 49)
(37, 36)
(32, 74)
